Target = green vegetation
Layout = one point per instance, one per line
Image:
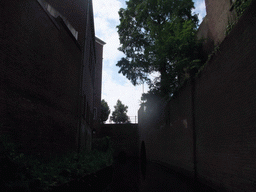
(215, 51)
(102, 144)
(230, 26)
(105, 111)
(119, 115)
(26, 173)
(159, 36)
(240, 6)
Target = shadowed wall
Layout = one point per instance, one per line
(42, 78)
(224, 117)
(124, 137)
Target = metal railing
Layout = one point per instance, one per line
(133, 119)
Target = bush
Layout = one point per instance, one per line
(27, 173)
(102, 144)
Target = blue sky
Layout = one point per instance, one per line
(114, 85)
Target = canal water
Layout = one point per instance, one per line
(130, 176)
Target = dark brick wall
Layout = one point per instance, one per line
(225, 117)
(170, 138)
(205, 34)
(225, 110)
(76, 13)
(218, 15)
(40, 75)
(124, 137)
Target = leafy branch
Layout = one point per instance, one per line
(27, 173)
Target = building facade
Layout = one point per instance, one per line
(220, 14)
(98, 84)
(49, 78)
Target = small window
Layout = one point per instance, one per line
(94, 113)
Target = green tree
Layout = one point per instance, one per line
(158, 36)
(241, 6)
(119, 115)
(105, 111)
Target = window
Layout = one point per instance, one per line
(95, 113)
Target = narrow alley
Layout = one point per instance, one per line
(130, 176)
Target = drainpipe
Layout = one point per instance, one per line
(79, 107)
(80, 93)
(192, 75)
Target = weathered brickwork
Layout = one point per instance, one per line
(76, 12)
(124, 137)
(219, 13)
(174, 135)
(224, 113)
(46, 74)
(214, 26)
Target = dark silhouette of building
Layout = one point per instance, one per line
(50, 74)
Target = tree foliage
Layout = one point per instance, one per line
(105, 111)
(241, 6)
(119, 115)
(158, 36)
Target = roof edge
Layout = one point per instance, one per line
(99, 41)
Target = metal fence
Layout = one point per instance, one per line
(133, 119)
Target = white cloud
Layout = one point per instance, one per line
(106, 19)
(115, 86)
(127, 93)
(101, 25)
(111, 52)
(200, 9)
(106, 9)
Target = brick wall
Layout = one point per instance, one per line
(124, 137)
(205, 34)
(225, 111)
(225, 117)
(218, 15)
(76, 13)
(169, 137)
(40, 75)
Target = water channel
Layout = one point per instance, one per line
(131, 176)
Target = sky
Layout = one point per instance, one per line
(114, 85)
